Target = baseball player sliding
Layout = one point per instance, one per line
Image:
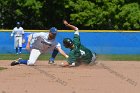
(18, 33)
(78, 53)
(42, 43)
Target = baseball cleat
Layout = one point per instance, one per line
(93, 61)
(51, 62)
(15, 62)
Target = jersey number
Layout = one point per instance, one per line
(82, 52)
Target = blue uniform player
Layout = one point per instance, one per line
(18, 33)
(41, 43)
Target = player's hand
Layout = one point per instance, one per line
(23, 41)
(67, 56)
(65, 22)
(64, 64)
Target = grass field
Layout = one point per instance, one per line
(119, 57)
(59, 57)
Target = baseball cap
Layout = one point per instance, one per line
(53, 30)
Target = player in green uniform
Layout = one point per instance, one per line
(78, 53)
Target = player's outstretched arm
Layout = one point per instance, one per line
(28, 43)
(62, 52)
(69, 25)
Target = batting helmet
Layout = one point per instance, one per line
(67, 42)
(53, 30)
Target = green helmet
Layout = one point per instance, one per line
(67, 42)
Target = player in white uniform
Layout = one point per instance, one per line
(42, 43)
(18, 33)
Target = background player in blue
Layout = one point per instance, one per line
(78, 53)
(18, 33)
(41, 43)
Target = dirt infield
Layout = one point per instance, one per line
(104, 77)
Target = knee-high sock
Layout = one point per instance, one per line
(20, 49)
(21, 61)
(16, 49)
(55, 52)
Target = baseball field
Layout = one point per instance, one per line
(108, 76)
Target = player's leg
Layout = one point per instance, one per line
(33, 56)
(94, 57)
(93, 61)
(19, 61)
(51, 60)
(20, 44)
(16, 50)
(16, 44)
(32, 59)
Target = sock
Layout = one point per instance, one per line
(51, 59)
(55, 52)
(21, 61)
(16, 50)
(20, 48)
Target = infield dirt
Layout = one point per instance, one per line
(104, 77)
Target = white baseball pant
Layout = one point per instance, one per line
(18, 41)
(34, 54)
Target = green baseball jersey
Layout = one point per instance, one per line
(79, 53)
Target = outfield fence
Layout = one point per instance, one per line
(99, 41)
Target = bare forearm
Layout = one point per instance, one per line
(69, 25)
(28, 43)
(29, 38)
(62, 53)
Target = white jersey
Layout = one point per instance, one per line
(17, 32)
(42, 43)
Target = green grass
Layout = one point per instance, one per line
(119, 57)
(26, 56)
(60, 57)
